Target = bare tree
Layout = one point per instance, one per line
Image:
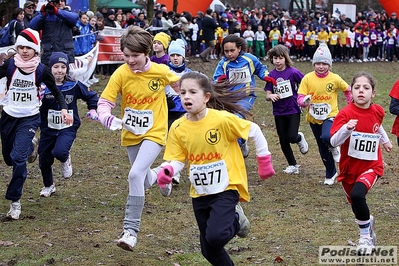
(6, 9)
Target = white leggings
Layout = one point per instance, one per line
(141, 157)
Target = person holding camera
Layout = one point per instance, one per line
(56, 23)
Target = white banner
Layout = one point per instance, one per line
(84, 66)
(3, 81)
(345, 9)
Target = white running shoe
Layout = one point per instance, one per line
(292, 169)
(303, 144)
(330, 181)
(47, 191)
(167, 190)
(66, 168)
(32, 157)
(365, 246)
(244, 149)
(336, 154)
(127, 241)
(15, 210)
(243, 221)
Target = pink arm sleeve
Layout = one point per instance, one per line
(300, 100)
(348, 95)
(104, 108)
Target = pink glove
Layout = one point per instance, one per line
(265, 167)
(92, 114)
(270, 79)
(165, 176)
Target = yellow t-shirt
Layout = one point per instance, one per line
(211, 142)
(274, 35)
(324, 92)
(342, 36)
(311, 37)
(143, 97)
(322, 36)
(333, 38)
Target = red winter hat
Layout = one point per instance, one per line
(372, 24)
(292, 22)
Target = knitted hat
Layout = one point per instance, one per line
(322, 55)
(58, 57)
(110, 12)
(177, 47)
(29, 38)
(162, 38)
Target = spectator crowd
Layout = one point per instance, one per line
(372, 36)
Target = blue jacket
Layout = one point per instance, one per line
(56, 33)
(243, 61)
(180, 71)
(72, 91)
(85, 41)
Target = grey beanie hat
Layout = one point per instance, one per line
(322, 55)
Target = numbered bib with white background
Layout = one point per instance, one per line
(283, 89)
(240, 75)
(22, 97)
(319, 111)
(364, 146)
(334, 37)
(54, 119)
(298, 37)
(138, 121)
(208, 179)
(275, 36)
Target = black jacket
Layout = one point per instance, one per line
(208, 28)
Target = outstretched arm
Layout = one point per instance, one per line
(263, 155)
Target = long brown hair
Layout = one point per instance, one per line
(222, 98)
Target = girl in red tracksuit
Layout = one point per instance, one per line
(299, 43)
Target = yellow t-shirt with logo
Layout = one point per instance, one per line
(322, 36)
(342, 36)
(210, 142)
(274, 35)
(142, 92)
(333, 38)
(322, 90)
(311, 37)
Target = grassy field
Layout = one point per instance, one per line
(290, 215)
